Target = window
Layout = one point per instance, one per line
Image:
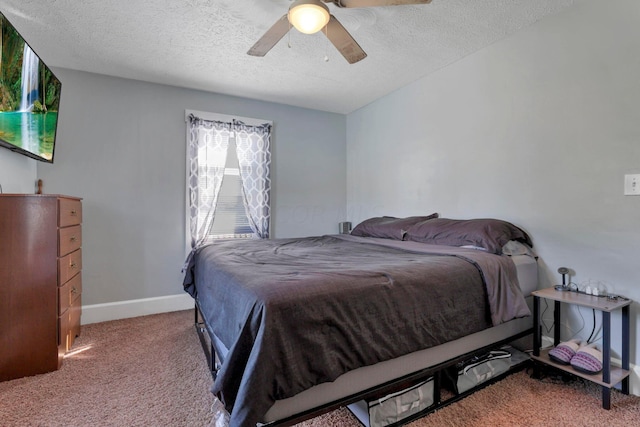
(230, 220)
(228, 182)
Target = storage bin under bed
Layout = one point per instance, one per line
(396, 408)
(461, 379)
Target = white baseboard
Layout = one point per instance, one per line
(634, 380)
(133, 308)
(634, 376)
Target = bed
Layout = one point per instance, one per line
(297, 327)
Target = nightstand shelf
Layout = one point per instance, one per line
(610, 375)
(617, 374)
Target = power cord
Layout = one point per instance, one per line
(546, 304)
(583, 322)
(593, 330)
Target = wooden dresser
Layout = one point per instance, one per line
(40, 281)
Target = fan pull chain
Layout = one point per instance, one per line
(289, 35)
(326, 46)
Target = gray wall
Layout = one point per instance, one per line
(538, 129)
(121, 146)
(17, 173)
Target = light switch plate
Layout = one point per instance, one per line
(632, 185)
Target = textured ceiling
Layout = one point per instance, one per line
(202, 44)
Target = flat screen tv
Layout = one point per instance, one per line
(29, 98)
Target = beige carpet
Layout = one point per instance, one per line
(147, 371)
(150, 371)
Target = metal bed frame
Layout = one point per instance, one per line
(214, 362)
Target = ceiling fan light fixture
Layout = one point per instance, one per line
(308, 16)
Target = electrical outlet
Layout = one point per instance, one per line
(632, 185)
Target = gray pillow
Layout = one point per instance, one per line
(490, 234)
(388, 227)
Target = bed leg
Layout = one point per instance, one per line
(437, 382)
(207, 347)
(213, 365)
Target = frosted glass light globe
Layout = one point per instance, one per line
(308, 16)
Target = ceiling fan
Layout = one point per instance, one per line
(311, 16)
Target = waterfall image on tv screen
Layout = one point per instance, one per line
(29, 98)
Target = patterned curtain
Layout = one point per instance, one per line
(253, 146)
(208, 144)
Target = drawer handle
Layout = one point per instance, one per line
(74, 212)
(74, 290)
(73, 239)
(73, 265)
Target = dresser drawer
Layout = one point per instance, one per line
(69, 325)
(68, 266)
(69, 239)
(69, 212)
(68, 293)
(75, 312)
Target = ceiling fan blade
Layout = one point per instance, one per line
(375, 3)
(271, 37)
(343, 41)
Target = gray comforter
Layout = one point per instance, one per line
(299, 312)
